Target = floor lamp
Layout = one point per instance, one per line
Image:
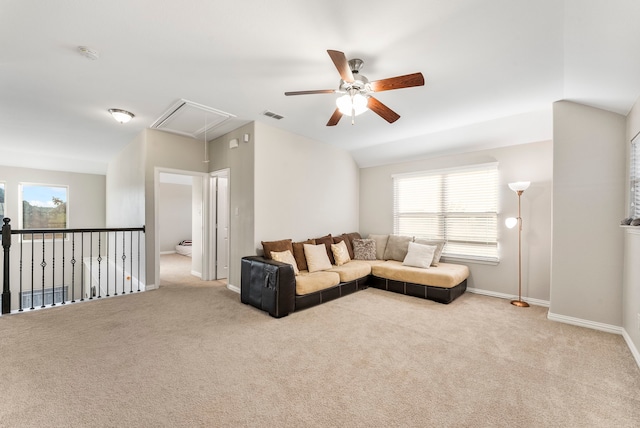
(519, 187)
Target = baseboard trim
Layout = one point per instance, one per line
(167, 252)
(632, 346)
(585, 323)
(537, 302)
(198, 274)
(233, 288)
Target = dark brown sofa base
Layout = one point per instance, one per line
(322, 296)
(437, 294)
(270, 286)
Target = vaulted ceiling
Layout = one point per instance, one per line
(492, 68)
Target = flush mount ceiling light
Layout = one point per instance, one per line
(121, 116)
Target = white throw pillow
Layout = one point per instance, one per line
(340, 253)
(419, 255)
(317, 258)
(285, 257)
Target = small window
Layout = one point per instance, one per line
(43, 207)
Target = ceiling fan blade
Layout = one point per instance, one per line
(382, 110)
(399, 82)
(342, 65)
(319, 91)
(335, 118)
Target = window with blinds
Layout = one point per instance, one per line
(634, 178)
(459, 205)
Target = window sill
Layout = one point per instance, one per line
(465, 260)
(631, 229)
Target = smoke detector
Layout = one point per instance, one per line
(88, 53)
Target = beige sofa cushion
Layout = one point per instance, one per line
(286, 257)
(311, 282)
(353, 270)
(445, 275)
(340, 253)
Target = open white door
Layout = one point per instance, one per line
(222, 253)
(219, 238)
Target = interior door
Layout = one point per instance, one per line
(222, 229)
(219, 235)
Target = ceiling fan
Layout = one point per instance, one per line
(357, 90)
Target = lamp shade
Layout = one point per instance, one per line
(357, 103)
(511, 222)
(519, 186)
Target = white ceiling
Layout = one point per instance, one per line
(492, 69)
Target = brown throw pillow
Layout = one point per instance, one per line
(298, 253)
(327, 241)
(277, 246)
(349, 245)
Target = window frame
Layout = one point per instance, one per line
(634, 178)
(445, 218)
(21, 225)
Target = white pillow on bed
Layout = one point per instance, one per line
(419, 255)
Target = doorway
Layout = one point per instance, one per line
(179, 218)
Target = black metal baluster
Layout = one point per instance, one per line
(115, 263)
(63, 299)
(99, 264)
(108, 239)
(33, 266)
(21, 245)
(131, 262)
(91, 266)
(73, 268)
(53, 269)
(138, 278)
(124, 258)
(43, 263)
(82, 266)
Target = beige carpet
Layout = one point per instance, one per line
(195, 356)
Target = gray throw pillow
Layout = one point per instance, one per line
(439, 243)
(397, 247)
(364, 249)
(381, 244)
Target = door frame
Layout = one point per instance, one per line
(204, 216)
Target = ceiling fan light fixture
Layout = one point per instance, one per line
(121, 116)
(348, 104)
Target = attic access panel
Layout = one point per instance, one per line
(191, 119)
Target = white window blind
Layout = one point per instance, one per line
(459, 205)
(634, 178)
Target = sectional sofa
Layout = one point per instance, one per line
(291, 276)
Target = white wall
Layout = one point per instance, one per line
(240, 162)
(125, 186)
(527, 162)
(631, 274)
(196, 221)
(303, 188)
(175, 215)
(588, 204)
